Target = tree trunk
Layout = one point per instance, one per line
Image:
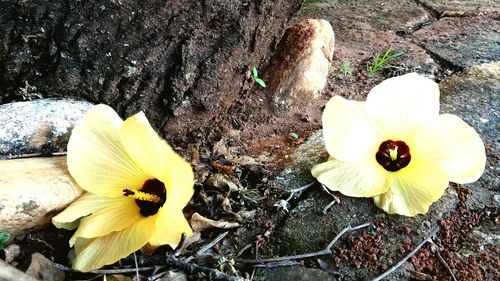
(184, 63)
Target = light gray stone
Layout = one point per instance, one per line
(38, 126)
(32, 191)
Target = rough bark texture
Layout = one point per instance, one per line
(182, 62)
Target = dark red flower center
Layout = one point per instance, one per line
(150, 197)
(393, 155)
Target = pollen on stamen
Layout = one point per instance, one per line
(142, 196)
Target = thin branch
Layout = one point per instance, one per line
(108, 271)
(213, 274)
(441, 259)
(136, 267)
(335, 199)
(412, 253)
(31, 155)
(208, 246)
(299, 189)
(324, 252)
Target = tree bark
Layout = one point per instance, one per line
(182, 62)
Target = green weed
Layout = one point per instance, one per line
(4, 237)
(256, 78)
(379, 62)
(345, 69)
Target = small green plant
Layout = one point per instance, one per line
(256, 78)
(379, 62)
(4, 237)
(345, 69)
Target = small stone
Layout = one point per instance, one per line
(32, 190)
(11, 252)
(298, 72)
(43, 269)
(294, 136)
(38, 126)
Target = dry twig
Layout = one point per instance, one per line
(443, 262)
(326, 251)
(412, 253)
(208, 246)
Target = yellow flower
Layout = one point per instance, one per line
(136, 189)
(396, 148)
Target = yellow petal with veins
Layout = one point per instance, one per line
(454, 145)
(170, 225)
(347, 132)
(397, 105)
(363, 179)
(118, 214)
(413, 189)
(87, 204)
(158, 159)
(108, 249)
(97, 159)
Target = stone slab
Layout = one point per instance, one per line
(462, 42)
(461, 8)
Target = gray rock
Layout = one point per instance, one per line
(298, 171)
(43, 269)
(474, 96)
(397, 15)
(32, 191)
(38, 126)
(449, 8)
(297, 273)
(307, 229)
(298, 71)
(462, 42)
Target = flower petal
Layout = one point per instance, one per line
(87, 204)
(453, 144)
(158, 159)
(362, 179)
(413, 189)
(170, 225)
(398, 104)
(94, 254)
(96, 158)
(347, 132)
(119, 214)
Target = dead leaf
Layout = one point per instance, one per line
(221, 181)
(200, 223)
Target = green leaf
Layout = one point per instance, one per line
(260, 82)
(4, 237)
(255, 75)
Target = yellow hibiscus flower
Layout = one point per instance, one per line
(396, 147)
(136, 189)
